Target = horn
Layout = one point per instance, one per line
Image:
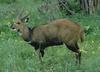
(20, 14)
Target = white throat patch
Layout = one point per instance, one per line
(20, 33)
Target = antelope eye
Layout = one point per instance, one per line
(18, 22)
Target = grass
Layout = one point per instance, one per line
(18, 56)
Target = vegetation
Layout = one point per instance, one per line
(18, 56)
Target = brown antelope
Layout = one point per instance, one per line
(57, 32)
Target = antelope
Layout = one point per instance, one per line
(56, 32)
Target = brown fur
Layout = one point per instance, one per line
(57, 32)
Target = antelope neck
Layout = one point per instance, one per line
(27, 35)
(29, 38)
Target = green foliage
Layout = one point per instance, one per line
(74, 5)
(18, 56)
(7, 1)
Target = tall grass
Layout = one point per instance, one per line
(18, 56)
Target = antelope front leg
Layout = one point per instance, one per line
(78, 57)
(39, 55)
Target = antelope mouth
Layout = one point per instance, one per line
(14, 29)
(17, 30)
(20, 33)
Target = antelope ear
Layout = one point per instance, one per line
(27, 19)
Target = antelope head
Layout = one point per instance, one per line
(20, 26)
(19, 23)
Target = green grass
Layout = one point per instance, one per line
(18, 56)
